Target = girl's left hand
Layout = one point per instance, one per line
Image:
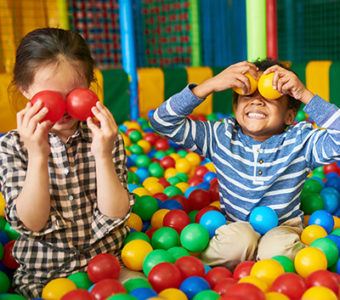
(103, 135)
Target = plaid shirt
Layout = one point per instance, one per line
(76, 230)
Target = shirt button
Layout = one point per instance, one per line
(261, 161)
(70, 197)
(66, 171)
(258, 149)
(259, 172)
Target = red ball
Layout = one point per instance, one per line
(290, 284)
(8, 259)
(199, 199)
(184, 201)
(54, 102)
(216, 274)
(151, 138)
(102, 266)
(78, 294)
(200, 171)
(245, 289)
(106, 288)
(162, 144)
(80, 102)
(323, 278)
(195, 180)
(190, 266)
(150, 232)
(333, 167)
(164, 182)
(243, 269)
(224, 285)
(202, 211)
(201, 117)
(165, 275)
(176, 219)
(167, 162)
(160, 196)
(214, 191)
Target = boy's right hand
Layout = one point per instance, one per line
(34, 134)
(231, 77)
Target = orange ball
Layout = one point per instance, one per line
(157, 218)
(253, 86)
(265, 86)
(135, 222)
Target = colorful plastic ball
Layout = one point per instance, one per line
(212, 220)
(142, 173)
(322, 218)
(333, 182)
(243, 269)
(311, 202)
(286, 263)
(189, 190)
(134, 283)
(154, 187)
(157, 218)
(261, 284)
(206, 295)
(214, 191)
(145, 206)
(164, 275)
(57, 288)
(312, 185)
(335, 239)
(183, 165)
(169, 173)
(79, 294)
(216, 274)
(106, 288)
(137, 235)
(210, 166)
(7, 259)
(136, 149)
(173, 180)
(289, 284)
(223, 285)
(121, 297)
(172, 191)
(253, 86)
(209, 176)
(162, 144)
(177, 252)
(165, 238)
(173, 294)
(11, 233)
(276, 296)
(194, 237)
(331, 198)
(176, 219)
(311, 233)
(265, 87)
(183, 186)
(155, 257)
(308, 260)
(145, 145)
(192, 216)
(244, 289)
(329, 248)
(102, 266)
(324, 278)
(81, 280)
(193, 158)
(164, 182)
(319, 293)
(4, 283)
(201, 170)
(199, 199)
(135, 135)
(156, 170)
(267, 270)
(168, 162)
(204, 186)
(193, 285)
(263, 219)
(190, 266)
(171, 204)
(135, 222)
(134, 253)
(143, 160)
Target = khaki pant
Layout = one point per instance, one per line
(237, 242)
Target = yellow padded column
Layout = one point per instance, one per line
(198, 75)
(317, 77)
(98, 85)
(7, 113)
(150, 89)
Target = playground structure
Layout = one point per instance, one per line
(147, 50)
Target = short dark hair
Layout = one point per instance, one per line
(263, 65)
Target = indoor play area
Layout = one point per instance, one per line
(146, 51)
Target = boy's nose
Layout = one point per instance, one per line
(257, 99)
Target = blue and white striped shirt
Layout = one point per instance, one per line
(252, 173)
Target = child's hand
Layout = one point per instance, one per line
(103, 135)
(287, 83)
(33, 133)
(231, 77)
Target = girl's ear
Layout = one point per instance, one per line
(25, 93)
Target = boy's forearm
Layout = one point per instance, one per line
(306, 96)
(203, 90)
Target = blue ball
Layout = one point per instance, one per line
(338, 266)
(4, 239)
(143, 293)
(150, 113)
(122, 128)
(132, 186)
(207, 269)
(189, 190)
(333, 182)
(323, 218)
(204, 186)
(212, 220)
(193, 285)
(142, 173)
(146, 225)
(171, 204)
(331, 198)
(174, 145)
(263, 219)
(209, 176)
(335, 239)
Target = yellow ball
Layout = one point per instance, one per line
(149, 180)
(173, 294)
(133, 169)
(308, 260)
(253, 86)
(267, 270)
(170, 172)
(261, 284)
(57, 288)
(2, 205)
(276, 296)
(126, 140)
(182, 165)
(210, 166)
(311, 233)
(134, 252)
(336, 222)
(182, 186)
(175, 156)
(265, 86)
(319, 293)
(193, 158)
(135, 222)
(134, 125)
(157, 218)
(216, 204)
(154, 187)
(146, 146)
(141, 191)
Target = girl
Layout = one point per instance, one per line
(65, 184)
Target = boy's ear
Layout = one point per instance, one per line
(290, 116)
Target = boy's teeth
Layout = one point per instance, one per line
(256, 115)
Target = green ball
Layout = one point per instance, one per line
(154, 258)
(170, 151)
(132, 177)
(145, 206)
(182, 153)
(182, 176)
(12, 297)
(329, 248)
(172, 190)
(311, 202)
(207, 295)
(137, 235)
(4, 283)
(2, 223)
(173, 180)
(192, 215)
(156, 170)
(159, 154)
(336, 231)
(178, 252)
(81, 280)
(136, 149)
(136, 283)
(12, 234)
(2, 251)
(194, 237)
(286, 263)
(121, 297)
(143, 160)
(135, 136)
(300, 116)
(312, 186)
(212, 117)
(165, 238)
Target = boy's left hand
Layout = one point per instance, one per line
(287, 83)
(103, 135)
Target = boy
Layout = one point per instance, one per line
(258, 160)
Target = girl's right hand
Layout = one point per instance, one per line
(33, 133)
